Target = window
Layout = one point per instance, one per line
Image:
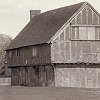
(34, 52)
(83, 33)
(17, 52)
(86, 33)
(91, 33)
(10, 54)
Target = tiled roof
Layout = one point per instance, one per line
(44, 26)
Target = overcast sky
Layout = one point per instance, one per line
(14, 14)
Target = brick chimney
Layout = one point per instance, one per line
(34, 13)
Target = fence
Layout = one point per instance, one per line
(5, 81)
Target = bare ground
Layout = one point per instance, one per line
(38, 93)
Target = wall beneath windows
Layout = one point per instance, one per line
(76, 52)
(26, 57)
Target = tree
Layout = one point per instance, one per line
(5, 40)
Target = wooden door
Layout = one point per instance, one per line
(22, 76)
(50, 76)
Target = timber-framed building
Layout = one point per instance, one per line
(60, 47)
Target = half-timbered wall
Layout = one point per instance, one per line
(78, 41)
(27, 56)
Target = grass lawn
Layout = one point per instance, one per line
(38, 93)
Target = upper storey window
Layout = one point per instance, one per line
(85, 33)
(17, 52)
(34, 52)
(10, 54)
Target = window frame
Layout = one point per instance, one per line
(78, 29)
(10, 54)
(34, 51)
(17, 52)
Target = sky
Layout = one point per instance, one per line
(14, 14)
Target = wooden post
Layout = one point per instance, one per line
(26, 76)
(19, 76)
(46, 83)
(53, 80)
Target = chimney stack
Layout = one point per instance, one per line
(34, 13)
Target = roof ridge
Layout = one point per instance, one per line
(61, 8)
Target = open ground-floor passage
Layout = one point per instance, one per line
(32, 76)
